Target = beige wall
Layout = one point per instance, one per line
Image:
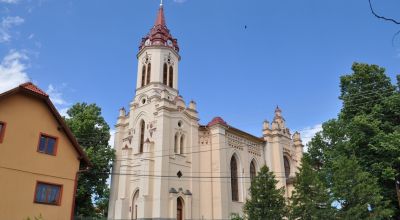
(21, 166)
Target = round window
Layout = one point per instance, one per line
(179, 123)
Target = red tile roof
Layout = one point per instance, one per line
(217, 120)
(30, 86)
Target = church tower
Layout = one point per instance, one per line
(158, 59)
(154, 140)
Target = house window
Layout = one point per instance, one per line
(47, 145)
(2, 130)
(182, 145)
(47, 193)
(234, 179)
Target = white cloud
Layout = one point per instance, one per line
(13, 70)
(111, 141)
(63, 112)
(308, 133)
(9, 1)
(55, 95)
(6, 24)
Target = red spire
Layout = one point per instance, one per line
(159, 35)
(160, 17)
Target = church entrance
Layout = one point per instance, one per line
(179, 211)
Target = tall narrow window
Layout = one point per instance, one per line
(182, 145)
(165, 74)
(176, 143)
(143, 75)
(135, 204)
(2, 130)
(148, 73)
(141, 142)
(287, 167)
(47, 193)
(171, 76)
(252, 170)
(234, 179)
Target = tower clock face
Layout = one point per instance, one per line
(147, 43)
(169, 42)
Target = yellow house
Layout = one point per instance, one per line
(39, 157)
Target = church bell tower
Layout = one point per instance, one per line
(158, 59)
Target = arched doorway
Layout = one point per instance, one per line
(179, 209)
(135, 205)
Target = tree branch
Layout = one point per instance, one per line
(381, 17)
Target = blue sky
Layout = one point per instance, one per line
(291, 54)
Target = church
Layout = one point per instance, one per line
(169, 166)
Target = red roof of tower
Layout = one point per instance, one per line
(159, 35)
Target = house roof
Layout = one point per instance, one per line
(32, 90)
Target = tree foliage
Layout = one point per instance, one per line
(311, 198)
(358, 154)
(92, 133)
(266, 201)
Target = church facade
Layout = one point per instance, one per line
(168, 166)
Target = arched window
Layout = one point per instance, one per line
(171, 76)
(135, 204)
(234, 179)
(287, 166)
(179, 208)
(165, 74)
(143, 74)
(176, 143)
(181, 146)
(148, 73)
(141, 142)
(252, 170)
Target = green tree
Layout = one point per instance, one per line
(92, 133)
(356, 192)
(367, 130)
(311, 198)
(266, 201)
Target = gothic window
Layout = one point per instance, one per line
(252, 170)
(148, 73)
(234, 179)
(176, 143)
(179, 209)
(287, 166)
(141, 142)
(171, 76)
(135, 204)
(143, 74)
(165, 74)
(182, 144)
